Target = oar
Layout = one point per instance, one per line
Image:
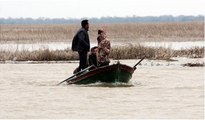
(76, 74)
(138, 62)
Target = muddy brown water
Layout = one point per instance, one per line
(157, 89)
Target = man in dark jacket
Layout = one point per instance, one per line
(81, 44)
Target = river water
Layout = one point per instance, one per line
(158, 89)
(62, 45)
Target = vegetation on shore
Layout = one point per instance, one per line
(175, 31)
(120, 32)
(123, 52)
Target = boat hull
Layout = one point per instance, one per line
(108, 74)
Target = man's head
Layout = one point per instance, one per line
(85, 24)
(94, 50)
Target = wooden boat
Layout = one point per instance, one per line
(108, 74)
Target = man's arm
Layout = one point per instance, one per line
(81, 38)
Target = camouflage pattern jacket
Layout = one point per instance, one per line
(103, 51)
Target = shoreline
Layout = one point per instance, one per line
(177, 61)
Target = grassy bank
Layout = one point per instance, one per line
(179, 31)
(125, 52)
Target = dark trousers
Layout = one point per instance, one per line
(83, 59)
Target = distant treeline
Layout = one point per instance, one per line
(133, 19)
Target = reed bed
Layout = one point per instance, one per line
(138, 51)
(38, 55)
(178, 31)
(123, 52)
(196, 52)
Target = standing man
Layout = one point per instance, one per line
(81, 44)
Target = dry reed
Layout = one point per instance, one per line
(125, 31)
(125, 52)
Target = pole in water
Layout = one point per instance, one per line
(138, 62)
(76, 74)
